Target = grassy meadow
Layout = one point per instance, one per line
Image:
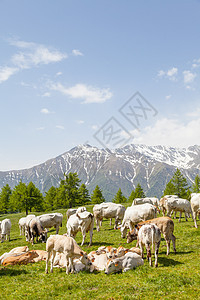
(177, 276)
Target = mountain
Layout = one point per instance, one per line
(151, 166)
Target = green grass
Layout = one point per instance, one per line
(177, 276)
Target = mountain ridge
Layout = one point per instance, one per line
(151, 166)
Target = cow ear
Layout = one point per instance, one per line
(81, 253)
(115, 251)
(116, 264)
(93, 259)
(126, 251)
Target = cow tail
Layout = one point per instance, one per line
(152, 237)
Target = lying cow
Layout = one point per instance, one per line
(5, 227)
(13, 252)
(121, 251)
(20, 259)
(108, 210)
(135, 214)
(81, 221)
(166, 226)
(68, 246)
(123, 264)
(147, 235)
(195, 206)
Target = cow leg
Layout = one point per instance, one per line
(142, 249)
(116, 223)
(52, 260)
(47, 261)
(180, 217)
(91, 235)
(97, 224)
(186, 216)
(173, 238)
(157, 245)
(71, 265)
(111, 222)
(195, 218)
(57, 229)
(84, 235)
(149, 254)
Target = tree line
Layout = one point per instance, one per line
(70, 194)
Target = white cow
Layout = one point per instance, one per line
(195, 206)
(153, 201)
(177, 204)
(5, 227)
(81, 221)
(108, 210)
(22, 225)
(125, 263)
(135, 214)
(28, 219)
(51, 220)
(68, 246)
(149, 234)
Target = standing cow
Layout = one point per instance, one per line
(5, 227)
(108, 210)
(195, 206)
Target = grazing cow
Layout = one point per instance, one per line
(81, 221)
(22, 224)
(195, 206)
(20, 259)
(51, 220)
(123, 264)
(5, 227)
(149, 234)
(153, 201)
(35, 229)
(166, 226)
(72, 211)
(108, 210)
(135, 214)
(68, 246)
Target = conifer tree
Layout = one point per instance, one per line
(131, 197)
(50, 199)
(196, 185)
(119, 198)
(177, 185)
(5, 198)
(84, 196)
(139, 193)
(97, 196)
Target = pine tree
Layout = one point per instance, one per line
(119, 198)
(131, 197)
(5, 198)
(50, 199)
(19, 198)
(97, 196)
(196, 185)
(84, 196)
(35, 198)
(139, 192)
(177, 185)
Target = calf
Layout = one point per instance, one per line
(123, 264)
(166, 226)
(121, 251)
(149, 234)
(20, 259)
(68, 246)
(5, 227)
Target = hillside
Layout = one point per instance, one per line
(151, 166)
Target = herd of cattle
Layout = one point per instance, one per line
(140, 218)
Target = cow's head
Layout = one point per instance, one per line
(113, 266)
(85, 259)
(132, 235)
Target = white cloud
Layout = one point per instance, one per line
(45, 111)
(60, 127)
(87, 93)
(168, 97)
(170, 132)
(47, 94)
(6, 72)
(58, 74)
(170, 74)
(76, 52)
(188, 76)
(40, 128)
(80, 122)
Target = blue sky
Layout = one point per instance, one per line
(68, 67)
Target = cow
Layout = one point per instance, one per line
(72, 211)
(166, 226)
(28, 219)
(149, 234)
(15, 251)
(177, 204)
(135, 214)
(121, 251)
(19, 259)
(123, 264)
(195, 206)
(22, 224)
(51, 220)
(68, 246)
(153, 201)
(5, 227)
(98, 259)
(108, 210)
(163, 200)
(35, 229)
(80, 221)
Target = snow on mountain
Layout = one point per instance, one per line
(151, 166)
